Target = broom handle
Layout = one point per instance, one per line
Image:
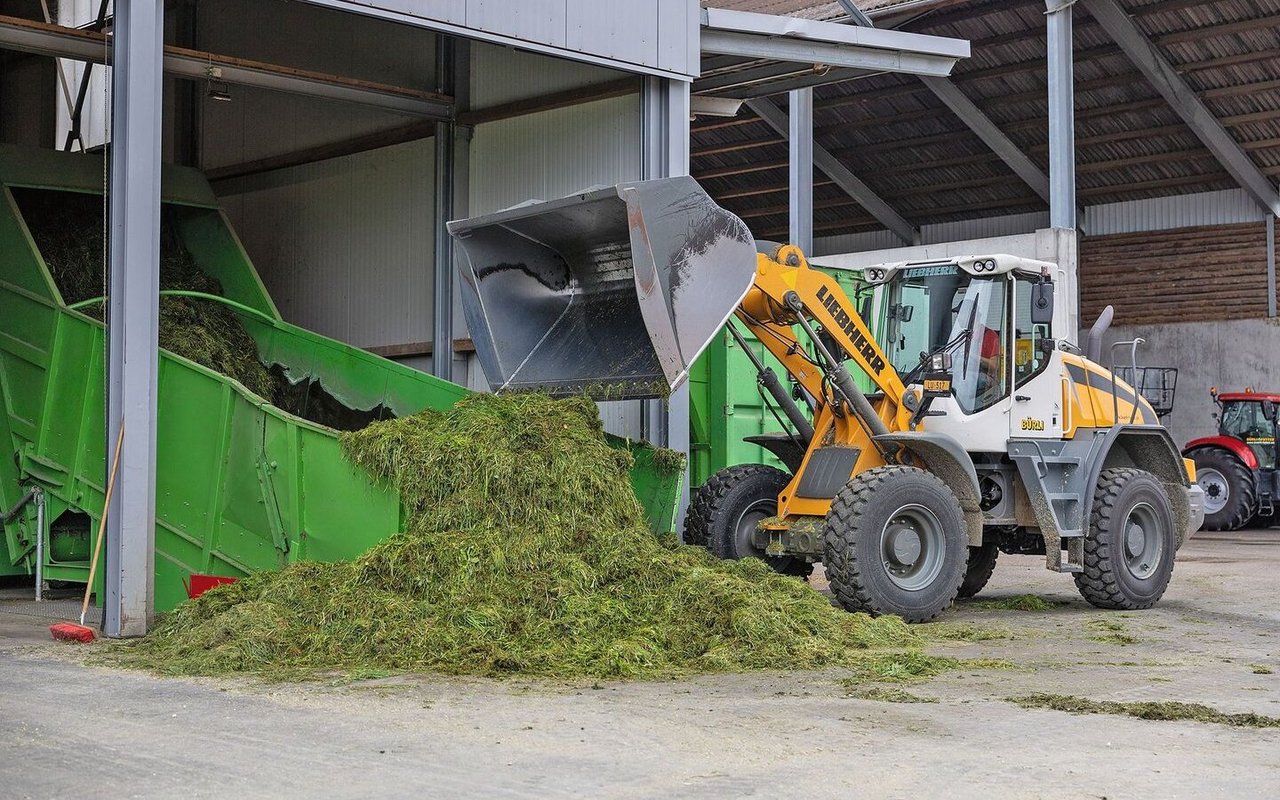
(102, 523)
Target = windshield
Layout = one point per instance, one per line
(1245, 420)
(931, 308)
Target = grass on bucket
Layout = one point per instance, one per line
(525, 552)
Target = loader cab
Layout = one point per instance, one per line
(991, 316)
(1251, 418)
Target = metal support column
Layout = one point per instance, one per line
(1062, 150)
(800, 166)
(1271, 264)
(133, 314)
(442, 321)
(1062, 137)
(665, 121)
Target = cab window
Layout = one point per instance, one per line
(1029, 359)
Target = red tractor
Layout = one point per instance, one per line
(1237, 468)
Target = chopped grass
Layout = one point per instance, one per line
(525, 553)
(1261, 669)
(1110, 632)
(912, 666)
(1152, 710)
(1020, 602)
(951, 631)
(887, 694)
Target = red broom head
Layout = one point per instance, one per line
(71, 632)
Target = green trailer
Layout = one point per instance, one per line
(241, 484)
(726, 404)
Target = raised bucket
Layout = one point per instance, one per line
(612, 292)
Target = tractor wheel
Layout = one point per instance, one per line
(1230, 497)
(895, 544)
(1130, 545)
(977, 571)
(725, 510)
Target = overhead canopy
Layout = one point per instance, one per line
(893, 132)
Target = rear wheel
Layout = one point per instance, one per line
(1130, 545)
(1230, 497)
(894, 544)
(978, 569)
(725, 511)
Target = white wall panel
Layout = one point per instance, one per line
(344, 245)
(1181, 211)
(554, 153)
(653, 36)
(501, 74)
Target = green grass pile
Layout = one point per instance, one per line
(526, 553)
(67, 230)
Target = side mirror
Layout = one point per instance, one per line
(1042, 303)
(1269, 411)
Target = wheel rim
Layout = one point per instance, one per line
(912, 546)
(1216, 489)
(1143, 544)
(747, 523)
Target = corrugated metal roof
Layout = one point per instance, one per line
(894, 134)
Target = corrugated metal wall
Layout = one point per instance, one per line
(345, 245)
(1163, 213)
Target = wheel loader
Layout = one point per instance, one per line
(988, 431)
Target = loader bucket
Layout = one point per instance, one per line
(612, 292)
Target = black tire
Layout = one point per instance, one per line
(1264, 521)
(719, 514)
(871, 526)
(1220, 473)
(978, 569)
(1130, 545)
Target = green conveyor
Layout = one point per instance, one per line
(241, 485)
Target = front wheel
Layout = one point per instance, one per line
(1230, 498)
(895, 543)
(1129, 548)
(725, 511)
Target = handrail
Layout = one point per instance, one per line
(226, 301)
(1133, 360)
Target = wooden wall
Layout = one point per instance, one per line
(1182, 275)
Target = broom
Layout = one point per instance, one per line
(70, 631)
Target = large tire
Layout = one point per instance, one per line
(978, 569)
(1230, 497)
(1130, 545)
(724, 511)
(895, 543)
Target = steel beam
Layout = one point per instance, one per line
(89, 46)
(1062, 135)
(665, 136)
(834, 54)
(841, 176)
(133, 314)
(1271, 265)
(1184, 100)
(986, 130)
(442, 283)
(973, 118)
(800, 167)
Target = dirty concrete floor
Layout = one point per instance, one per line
(71, 730)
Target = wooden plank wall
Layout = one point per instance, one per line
(1198, 274)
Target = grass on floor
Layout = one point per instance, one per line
(1109, 631)
(1152, 710)
(1021, 602)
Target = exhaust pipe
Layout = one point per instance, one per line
(1093, 350)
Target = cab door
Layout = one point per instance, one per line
(1037, 411)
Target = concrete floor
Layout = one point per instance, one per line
(72, 730)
